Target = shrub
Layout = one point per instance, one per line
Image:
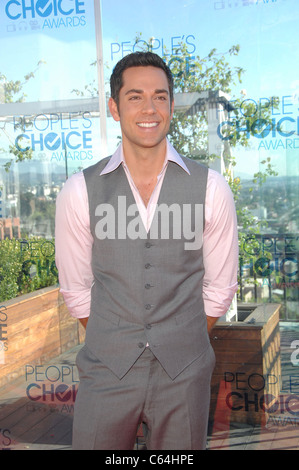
(25, 266)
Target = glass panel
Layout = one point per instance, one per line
(49, 119)
(237, 99)
(49, 129)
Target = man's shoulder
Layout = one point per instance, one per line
(96, 168)
(194, 165)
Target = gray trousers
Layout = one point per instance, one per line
(109, 410)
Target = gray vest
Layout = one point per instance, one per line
(147, 286)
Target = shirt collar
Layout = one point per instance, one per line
(118, 159)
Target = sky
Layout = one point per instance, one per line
(266, 30)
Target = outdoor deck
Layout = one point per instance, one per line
(37, 415)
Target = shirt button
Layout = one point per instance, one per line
(147, 286)
(148, 306)
(147, 266)
(148, 245)
(148, 326)
(140, 345)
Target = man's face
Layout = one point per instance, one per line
(144, 109)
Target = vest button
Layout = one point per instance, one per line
(148, 326)
(147, 266)
(140, 345)
(148, 306)
(148, 245)
(147, 286)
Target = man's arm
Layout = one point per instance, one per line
(84, 321)
(220, 249)
(73, 246)
(211, 321)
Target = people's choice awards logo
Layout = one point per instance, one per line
(56, 133)
(52, 13)
(30, 9)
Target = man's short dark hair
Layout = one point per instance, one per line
(138, 59)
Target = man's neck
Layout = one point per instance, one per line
(145, 165)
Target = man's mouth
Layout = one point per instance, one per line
(147, 124)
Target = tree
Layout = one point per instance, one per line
(12, 91)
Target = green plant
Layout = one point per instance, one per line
(26, 265)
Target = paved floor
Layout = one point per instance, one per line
(36, 411)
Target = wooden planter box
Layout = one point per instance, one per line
(247, 375)
(33, 329)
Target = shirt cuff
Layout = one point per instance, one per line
(78, 303)
(218, 301)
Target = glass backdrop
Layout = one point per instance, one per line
(235, 64)
(236, 80)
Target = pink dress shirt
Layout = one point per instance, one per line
(74, 240)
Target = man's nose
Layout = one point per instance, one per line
(149, 106)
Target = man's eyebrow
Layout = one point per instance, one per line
(162, 90)
(158, 91)
(133, 90)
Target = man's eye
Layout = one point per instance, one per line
(133, 98)
(161, 98)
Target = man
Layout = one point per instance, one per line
(148, 292)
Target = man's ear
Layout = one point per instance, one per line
(113, 109)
